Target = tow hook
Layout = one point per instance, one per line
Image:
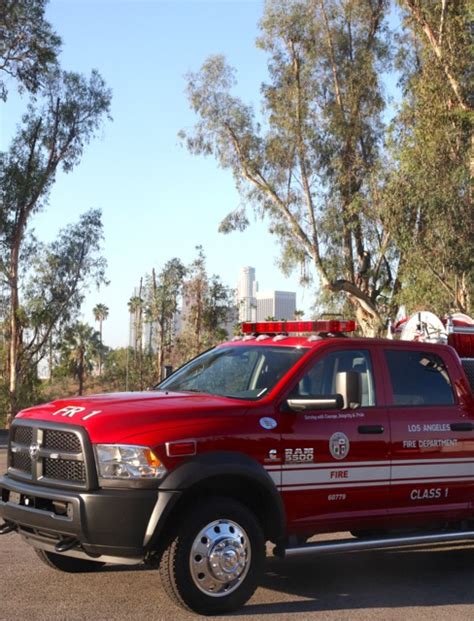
(6, 528)
(66, 544)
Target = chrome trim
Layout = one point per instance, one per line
(104, 558)
(170, 444)
(220, 558)
(348, 545)
(36, 473)
(152, 522)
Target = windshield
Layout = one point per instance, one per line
(240, 372)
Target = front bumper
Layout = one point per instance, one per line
(112, 523)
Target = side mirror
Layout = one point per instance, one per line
(168, 370)
(349, 386)
(329, 402)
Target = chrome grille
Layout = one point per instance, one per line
(61, 441)
(23, 435)
(43, 450)
(21, 461)
(64, 469)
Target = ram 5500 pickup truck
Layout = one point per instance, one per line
(291, 430)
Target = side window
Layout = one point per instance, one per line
(418, 378)
(320, 380)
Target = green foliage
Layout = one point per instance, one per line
(59, 122)
(115, 367)
(161, 304)
(307, 165)
(29, 392)
(153, 311)
(428, 198)
(207, 310)
(378, 227)
(28, 45)
(100, 312)
(62, 271)
(80, 346)
(55, 283)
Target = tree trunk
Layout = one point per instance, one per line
(370, 325)
(15, 335)
(100, 351)
(161, 351)
(80, 373)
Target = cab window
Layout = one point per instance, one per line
(418, 378)
(320, 380)
(241, 372)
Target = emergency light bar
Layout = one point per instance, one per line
(284, 327)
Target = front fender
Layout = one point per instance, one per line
(206, 471)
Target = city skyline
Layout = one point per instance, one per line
(256, 305)
(251, 304)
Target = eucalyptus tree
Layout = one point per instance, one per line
(162, 297)
(53, 134)
(194, 296)
(28, 45)
(428, 198)
(306, 165)
(207, 308)
(445, 26)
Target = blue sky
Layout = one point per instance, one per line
(157, 201)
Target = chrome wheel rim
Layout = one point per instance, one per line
(220, 558)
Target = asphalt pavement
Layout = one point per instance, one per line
(426, 584)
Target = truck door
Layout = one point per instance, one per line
(432, 435)
(336, 462)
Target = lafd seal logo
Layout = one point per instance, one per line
(339, 445)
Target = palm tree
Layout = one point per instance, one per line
(80, 346)
(136, 308)
(101, 312)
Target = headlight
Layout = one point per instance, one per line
(124, 461)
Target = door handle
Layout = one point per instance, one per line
(461, 426)
(370, 429)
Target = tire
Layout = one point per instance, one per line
(214, 562)
(69, 564)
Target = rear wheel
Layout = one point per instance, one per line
(69, 564)
(215, 561)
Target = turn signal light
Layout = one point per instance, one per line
(151, 458)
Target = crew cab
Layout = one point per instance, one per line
(289, 431)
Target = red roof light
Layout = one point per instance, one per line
(279, 327)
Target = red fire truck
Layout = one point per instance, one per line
(291, 430)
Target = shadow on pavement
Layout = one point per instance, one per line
(422, 576)
(365, 580)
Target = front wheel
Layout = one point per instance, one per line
(214, 563)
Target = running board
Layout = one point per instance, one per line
(350, 545)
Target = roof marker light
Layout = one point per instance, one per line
(284, 327)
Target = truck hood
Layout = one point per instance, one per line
(120, 417)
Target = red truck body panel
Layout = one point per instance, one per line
(413, 468)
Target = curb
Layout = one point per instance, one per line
(4, 438)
